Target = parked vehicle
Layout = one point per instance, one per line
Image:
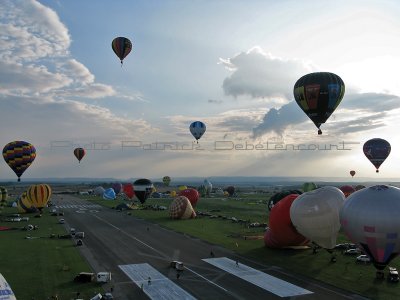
(363, 258)
(61, 221)
(79, 235)
(103, 276)
(354, 251)
(84, 277)
(393, 275)
(178, 265)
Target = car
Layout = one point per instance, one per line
(393, 275)
(352, 251)
(178, 265)
(72, 230)
(61, 221)
(79, 242)
(363, 258)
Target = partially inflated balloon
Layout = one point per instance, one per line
(370, 218)
(376, 150)
(79, 153)
(127, 188)
(192, 194)
(181, 208)
(109, 194)
(231, 190)
(281, 232)
(315, 215)
(24, 205)
(347, 190)
(279, 196)
(309, 186)
(208, 186)
(3, 197)
(143, 189)
(182, 187)
(19, 155)
(117, 187)
(318, 95)
(121, 47)
(166, 180)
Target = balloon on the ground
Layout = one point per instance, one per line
(352, 173)
(231, 190)
(39, 195)
(318, 94)
(197, 129)
(279, 196)
(182, 187)
(117, 187)
(347, 190)
(98, 191)
(359, 187)
(370, 218)
(109, 194)
(3, 197)
(377, 150)
(173, 194)
(166, 180)
(128, 190)
(208, 186)
(281, 232)
(79, 153)
(19, 155)
(315, 215)
(181, 208)
(192, 194)
(143, 189)
(24, 205)
(121, 46)
(309, 186)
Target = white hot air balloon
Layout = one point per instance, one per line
(315, 215)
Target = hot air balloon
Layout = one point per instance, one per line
(281, 232)
(318, 95)
(127, 188)
(197, 129)
(24, 205)
(39, 195)
(309, 186)
(347, 190)
(182, 187)
(181, 208)
(231, 190)
(121, 47)
(109, 194)
(143, 189)
(370, 218)
(3, 197)
(79, 153)
(208, 186)
(279, 196)
(173, 194)
(352, 173)
(98, 191)
(117, 187)
(376, 150)
(192, 194)
(315, 215)
(166, 180)
(19, 155)
(359, 187)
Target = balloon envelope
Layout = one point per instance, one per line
(24, 205)
(347, 190)
(281, 231)
(309, 186)
(128, 190)
(370, 218)
(109, 194)
(192, 194)
(376, 150)
(39, 195)
(166, 180)
(121, 47)
(143, 189)
(279, 196)
(197, 129)
(318, 95)
(181, 208)
(19, 155)
(117, 187)
(98, 191)
(79, 153)
(315, 215)
(231, 190)
(352, 173)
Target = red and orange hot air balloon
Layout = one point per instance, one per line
(79, 153)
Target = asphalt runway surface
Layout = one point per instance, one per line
(115, 238)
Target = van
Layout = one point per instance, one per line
(393, 275)
(84, 277)
(72, 231)
(79, 235)
(103, 276)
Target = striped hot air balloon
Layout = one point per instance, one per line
(19, 155)
(3, 197)
(24, 205)
(121, 47)
(79, 153)
(197, 129)
(39, 195)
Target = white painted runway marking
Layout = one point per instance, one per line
(79, 206)
(267, 282)
(159, 287)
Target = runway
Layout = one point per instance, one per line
(117, 242)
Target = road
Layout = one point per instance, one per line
(114, 239)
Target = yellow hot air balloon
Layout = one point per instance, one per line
(173, 194)
(181, 208)
(182, 187)
(24, 205)
(39, 195)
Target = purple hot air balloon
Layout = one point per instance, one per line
(117, 187)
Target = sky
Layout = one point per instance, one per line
(231, 64)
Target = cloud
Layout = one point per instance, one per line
(372, 102)
(35, 58)
(278, 120)
(214, 101)
(259, 74)
(359, 124)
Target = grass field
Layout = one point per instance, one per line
(43, 267)
(345, 273)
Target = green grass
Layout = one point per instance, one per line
(345, 273)
(42, 267)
